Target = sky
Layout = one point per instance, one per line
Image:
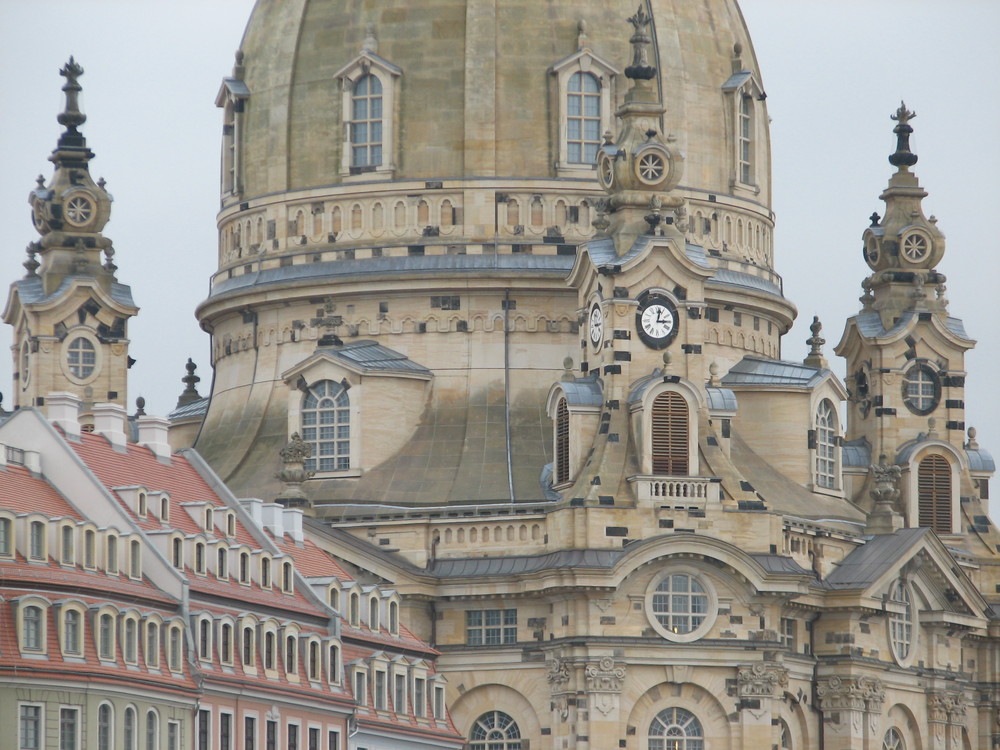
(834, 70)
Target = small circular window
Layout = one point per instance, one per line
(651, 167)
(901, 623)
(79, 210)
(681, 606)
(871, 251)
(921, 389)
(916, 247)
(81, 357)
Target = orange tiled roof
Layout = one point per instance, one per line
(23, 493)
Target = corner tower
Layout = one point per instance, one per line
(905, 357)
(69, 312)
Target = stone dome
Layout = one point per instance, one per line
(477, 84)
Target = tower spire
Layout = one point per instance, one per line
(640, 167)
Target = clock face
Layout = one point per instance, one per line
(596, 325)
(656, 321)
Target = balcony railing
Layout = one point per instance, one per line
(678, 492)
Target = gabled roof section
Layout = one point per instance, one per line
(866, 564)
(365, 357)
(587, 61)
(32, 292)
(232, 89)
(367, 59)
(736, 80)
(196, 408)
(21, 492)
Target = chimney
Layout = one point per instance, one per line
(293, 523)
(271, 519)
(153, 434)
(110, 421)
(253, 506)
(64, 412)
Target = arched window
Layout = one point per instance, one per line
(178, 553)
(366, 122)
(105, 724)
(71, 632)
(562, 442)
(128, 729)
(355, 608)
(135, 559)
(286, 577)
(326, 426)
(676, 729)
(152, 730)
(495, 730)
(313, 666)
(153, 644)
(244, 567)
(111, 563)
(248, 648)
(226, 644)
(81, 358)
(130, 641)
(746, 140)
(901, 625)
(205, 639)
(68, 551)
(333, 668)
(265, 572)
(393, 618)
(174, 655)
(291, 654)
(826, 445)
(222, 563)
(36, 540)
(934, 493)
(670, 434)
(583, 118)
(373, 622)
(106, 637)
(893, 740)
(784, 736)
(32, 628)
(6, 537)
(269, 638)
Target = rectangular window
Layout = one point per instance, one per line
(173, 735)
(446, 303)
(271, 735)
(68, 556)
(380, 691)
(204, 728)
(737, 319)
(69, 728)
(490, 627)
(249, 733)
(419, 697)
(787, 636)
(225, 731)
(6, 545)
(293, 737)
(438, 702)
(36, 541)
(111, 564)
(360, 688)
(314, 738)
(399, 694)
(30, 727)
(712, 314)
(333, 740)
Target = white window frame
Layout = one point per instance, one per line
(826, 469)
(73, 742)
(708, 617)
(584, 60)
(39, 729)
(388, 75)
(744, 97)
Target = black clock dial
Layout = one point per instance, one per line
(656, 321)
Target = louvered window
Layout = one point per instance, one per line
(670, 434)
(934, 492)
(562, 442)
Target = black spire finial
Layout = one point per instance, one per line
(640, 68)
(190, 393)
(903, 158)
(72, 117)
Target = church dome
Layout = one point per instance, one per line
(475, 88)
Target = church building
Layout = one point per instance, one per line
(498, 315)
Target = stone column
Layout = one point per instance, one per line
(563, 701)
(757, 686)
(851, 709)
(945, 719)
(604, 687)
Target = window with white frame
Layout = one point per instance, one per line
(33, 628)
(36, 540)
(129, 729)
(419, 696)
(81, 358)
(490, 627)
(399, 692)
(174, 648)
(826, 445)
(226, 643)
(368, 86)
(135, 559)
(921, 389)
(676, 729)
(681, 604)
(111, 558)
(152, 644)
(745, 140)
(174, 737)
(326, 426)
(583, 118)
(495, 730)
(152, 730)
(90, 549)
(69, 728)
(361, 686)
(68, 544)
(6, 537)
(130, 640)
(105, 636)
(105, 726)
(438, 702)
(30, 726)
(901, 623)
(72, 643)
(893, 740)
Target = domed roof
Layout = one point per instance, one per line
(477, 85)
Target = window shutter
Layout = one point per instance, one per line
(670, 434)
(562, 442)
(934, 493)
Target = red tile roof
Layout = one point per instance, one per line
(23, 493)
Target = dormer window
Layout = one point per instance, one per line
(826, 432)
(36, 541)
(373, 618)
(326, 426)
(230, 524)
(670, 439)
(368, 85)
(165, 508)
(6, 537)
(744, 98)
(585, 91)
(265, 572)
(141, 509)
(745, 140)
(934, 493)
(209, 519)
(286, 577)
(111, 560)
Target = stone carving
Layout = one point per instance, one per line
(761, 679)
(853, 693)
(293, 473)
(604, 682)
(946, 706)
(558, 674)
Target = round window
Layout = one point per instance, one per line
(916, 247)
(651, 167)
(871, 251)
(921, 389)
(681, 606)
(79, 210)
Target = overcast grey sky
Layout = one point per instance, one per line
(833, 69)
